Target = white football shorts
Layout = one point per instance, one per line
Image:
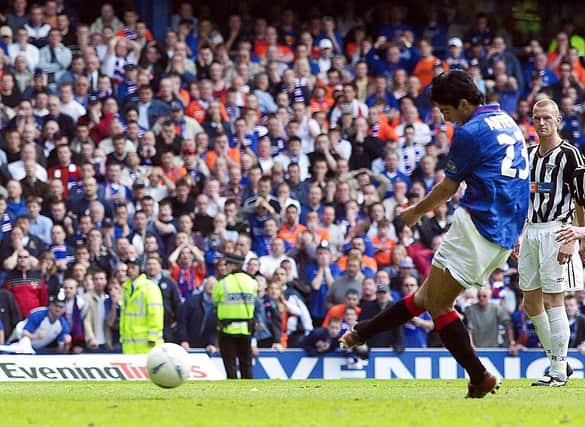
(469, 257)
(538, 266)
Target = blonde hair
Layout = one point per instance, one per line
(547, 101)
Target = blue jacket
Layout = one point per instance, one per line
(319, 334)
(156, 109)
(197, 322)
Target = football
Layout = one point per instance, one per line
(168, 365)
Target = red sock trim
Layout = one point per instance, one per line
(445, 320)
(411, 307)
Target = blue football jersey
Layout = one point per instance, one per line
(490, 155)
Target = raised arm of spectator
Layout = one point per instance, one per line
(198, 255)
(164, 228)
(135, 47)
(383, 184)
(427, 325)
(318, 279)
(10, 262)
(174, 256)
(331, 162)
(112, 45)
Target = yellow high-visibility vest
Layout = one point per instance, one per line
(141, 316)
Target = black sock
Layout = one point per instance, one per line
(456, 339)
(389, 318)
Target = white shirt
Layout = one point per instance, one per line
(344, 148)
(109, 63)
(302, 160)
(107, 145)
(143, 115)
(358, 109)
(266, 165)
(17, 172)
(73, 109)
(269, 264)
(100, 336)
(422, 132)
(324, 64)
(307, 128)
(51, 330)
(409, 157)
(30, 52)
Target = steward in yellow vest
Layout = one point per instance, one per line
(234, 296)
(142, 313)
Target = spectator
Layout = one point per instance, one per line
(576, 323)
(323, 340)
(351, 280)
(54, 58)
(351, 301)
(37, 30)
(483, 320)
(393, 338)
(9, 312)
(25, 283)
(269, 263)
(197, 321)
(416, 330)
(187, 269)
(321, 277)
(47, 325)
(107, 18)
(75, 313)
(268, 327)
(21, 47)
(170, 296)
(97, 335)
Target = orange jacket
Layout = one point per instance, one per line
(337, 311)
(211, 157)
(367, 261)
(424, 70)
(383, 256)
(290, 235)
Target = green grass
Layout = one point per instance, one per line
(288, 403)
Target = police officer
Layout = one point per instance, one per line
(142, 315)
(234, 296)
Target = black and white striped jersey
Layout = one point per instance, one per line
(556, 183)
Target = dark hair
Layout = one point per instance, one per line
(352, 291)
(451, 87)
(168, 202)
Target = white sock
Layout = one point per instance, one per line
(560, 334)
(542, 327)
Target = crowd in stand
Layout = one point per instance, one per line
(294, 142)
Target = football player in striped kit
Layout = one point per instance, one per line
(548, 266)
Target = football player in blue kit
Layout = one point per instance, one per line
(489, 154)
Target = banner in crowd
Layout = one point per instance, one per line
(101, 367)
(411, 364)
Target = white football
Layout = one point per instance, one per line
(168, 365)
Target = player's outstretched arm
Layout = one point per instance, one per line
(442, 192)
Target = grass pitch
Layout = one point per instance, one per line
(289, 403)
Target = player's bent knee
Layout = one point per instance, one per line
(437, 310)
(533, 302)
(419, 298)
(553, 300)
